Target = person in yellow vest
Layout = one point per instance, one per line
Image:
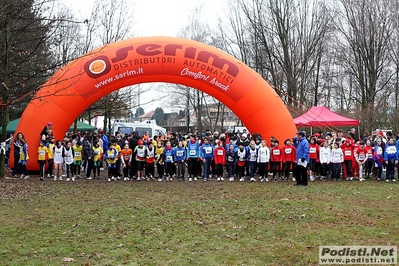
(97, 156)
(111, 156)
(50, 157)
(118, 148)
(77, 159)
(159, 160)
(41, 159)
(23, 159)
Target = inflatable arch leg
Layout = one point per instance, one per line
(154, 59)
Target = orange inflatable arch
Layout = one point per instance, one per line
(154, 59)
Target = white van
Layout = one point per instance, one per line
(149, 126)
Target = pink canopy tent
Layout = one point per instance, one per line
(321, 116)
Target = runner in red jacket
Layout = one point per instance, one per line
(219, 156)
(289, 157)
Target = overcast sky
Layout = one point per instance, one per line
(158, 18)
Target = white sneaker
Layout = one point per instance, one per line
(89, 178)
(387, 180)
(312, 178)
(242, 179)
(60, 178)
(55, 178)
(195, 179)
(293, 179)
(205, 179)
(67, 179)
(22, 176)
(73, 179)
(394, 180)
(190, 179)
(222, 179)
(218, 179)
(26, 177)
(351, 178)
(262, 180)
(231, 179)
(267, 179)
(159, 179)
(109, 179)
(253, 179)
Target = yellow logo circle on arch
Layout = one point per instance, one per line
(97, 66)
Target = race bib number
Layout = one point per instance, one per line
(369, 155)
(361, 157)
(169, 158)
(312, 150)
(96, 152)
(78, 154)
(208, 150)
(348, 153)
(288, 151)
(126, 157)
(179, 153)
(253, 157)
(391, 150)
(242, 159)
(231, 159)
(42, 153)
(276, 152)
(219, 152)
(193, 152)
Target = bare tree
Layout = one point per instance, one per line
(110, 21)
(366, 30)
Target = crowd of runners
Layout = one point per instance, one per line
(212, 156)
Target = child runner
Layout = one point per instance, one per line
(139, 152)
(126, 158)
(252, 158)
(193, 156)
(369, 155)
(219, 156)
(361, 158)
(168, 160)
(111, 156)
(263, 161)
(58, 153)
(289, 157)
(68, 159)
(241, 156)
(159, 160)
(180, 160)
(325, 158)
(50, 157)
(77, 159)
(313, 156)
(150, 161)
(337, 158)
(41, 159)
(378, 158)
(97, 159)
(207, 157)
(231, 161)
(276, 158)
(391, 159)
(347, 149)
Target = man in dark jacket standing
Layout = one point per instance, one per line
(302, 155)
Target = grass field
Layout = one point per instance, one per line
(93, 222)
